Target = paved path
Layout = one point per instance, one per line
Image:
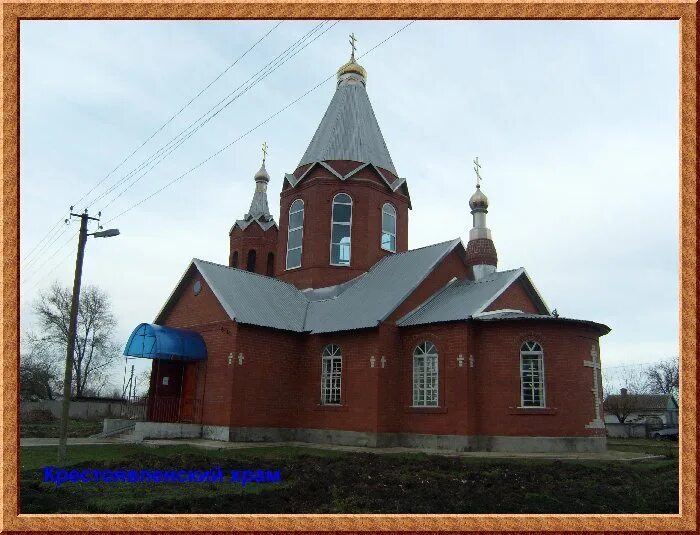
(610, 455)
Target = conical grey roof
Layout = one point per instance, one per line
(349, 129)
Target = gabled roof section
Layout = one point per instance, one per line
(265, 223)
(349, 131)
(462, 299)
(372, 297)
(393, 185)
(646, 402)
(360, 303)
(250, 298)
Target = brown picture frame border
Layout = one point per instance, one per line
(685, 12)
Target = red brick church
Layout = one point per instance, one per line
(326, 327)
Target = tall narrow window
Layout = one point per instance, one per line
(331, 370)
(531, 375)
(270, 264)
(425, 375)
(295, 234)
(389, 228)
(251, 260)
(341, 230)
(234, 259)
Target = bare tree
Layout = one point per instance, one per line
(663, 377)
(39, 377)
(624, 402)
(95, 349)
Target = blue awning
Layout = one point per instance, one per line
(157, 342)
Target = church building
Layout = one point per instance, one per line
(325, 327)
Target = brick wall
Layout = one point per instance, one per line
(263, 242)
(568, 382)
(514, 297)
(204, 314)
(279, 383)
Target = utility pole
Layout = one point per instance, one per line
(73, 325)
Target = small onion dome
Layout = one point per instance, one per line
(478, 200)
(352, 67)
(261, 175)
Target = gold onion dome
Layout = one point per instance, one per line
(478, 200)
(352, 67)
(262, 174)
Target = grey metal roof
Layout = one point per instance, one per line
(362, 302)
(459, 300)
(255, 299)
(516, 315)
(349, 131)
(376, 294)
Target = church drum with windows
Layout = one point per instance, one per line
(327, 328)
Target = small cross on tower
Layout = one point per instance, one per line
(353, 40)
(264, 150)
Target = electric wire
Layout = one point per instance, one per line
(270, 67)
(269, 118)
(205, 118)
(158, 130)
(200, 164)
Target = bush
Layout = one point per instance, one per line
(38, 416)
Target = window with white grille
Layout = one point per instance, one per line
(331, 371)
(295, 234)
(425, 375)
(531, 375)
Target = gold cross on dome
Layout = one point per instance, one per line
(477, 166)
(264, 149)
(353, 40)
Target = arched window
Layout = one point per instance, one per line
(389, 228)
(234, 259)
(341, 230)
(425, 375)
(531, 375)
(295, 234)
(251, 260)
(270, 264)
(331, 369)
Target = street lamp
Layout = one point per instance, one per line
(73, 325)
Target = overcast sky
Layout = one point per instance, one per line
(575, 124)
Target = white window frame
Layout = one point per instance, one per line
(531, 349)
(331, 376)
(290, 230)
(393, 213)
(423, 352)
(349, 225)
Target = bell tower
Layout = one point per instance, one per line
(481, 252)
(344, 207)
(253, 239)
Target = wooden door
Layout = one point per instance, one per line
(187, 396)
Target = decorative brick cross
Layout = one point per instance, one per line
(597, 422)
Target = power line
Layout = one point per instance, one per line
(269, 118)
(188, 132)
(229, 67)
(270, 67)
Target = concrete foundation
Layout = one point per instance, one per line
(144, 430)
(374, 440)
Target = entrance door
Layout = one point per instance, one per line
(189, 386)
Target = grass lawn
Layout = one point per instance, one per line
(325, 481)
(76, 428)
